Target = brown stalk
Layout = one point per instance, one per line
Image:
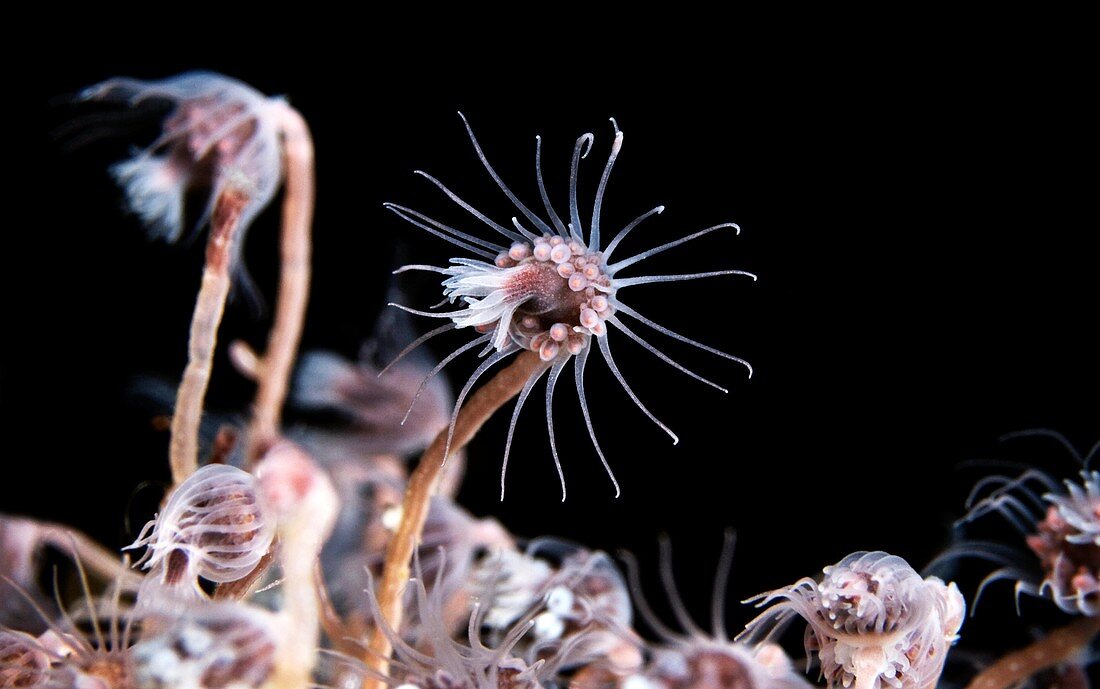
(1056, 647)
(225, 221)
(422, 485)
(282, 345)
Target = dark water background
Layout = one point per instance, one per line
(923, 235)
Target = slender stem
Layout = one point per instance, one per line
(290, 309)
(302, 613)
(422, 485)
(1056, 647)
(305, 502)
(341, 634)
(184, 448)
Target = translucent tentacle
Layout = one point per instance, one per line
(429, 314)
(605, 350)
(422, 266)
(721, 580)
(668, 581)
(627, 262)
(500, 183)
(619, 306)
(503, 329)
(594, 233)
(1005, 484)
(446, 228)
(662, 356)
(558, 224)
(1010, 507)
(439, 367)
(578, 372)
(485, 365)
(641, 603)
(581, 150)
(528, 386)
(1092, 454)
(442, 235)
(647, 279)
(523, 230)
(1049, 433)
(551, 383)
(470, 209)
(1012, 574)
(626, 230)
(416, 343)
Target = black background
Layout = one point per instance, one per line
(921, 217)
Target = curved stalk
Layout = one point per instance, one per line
(422, 485)
(295, 251)
(209, 306)
(1056, 647)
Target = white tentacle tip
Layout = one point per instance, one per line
(588, 138)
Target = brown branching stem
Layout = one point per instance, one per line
(1053, 649)
(422, 485)
(225, 220)
(341, 634)
(274, 370)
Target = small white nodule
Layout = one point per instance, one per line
(195, 640)
(637, 682)
(559, 601)
(548, 626)
(391, 517)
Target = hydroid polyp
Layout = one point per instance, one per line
(873, 622)
(224, 136)
(548, 286)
